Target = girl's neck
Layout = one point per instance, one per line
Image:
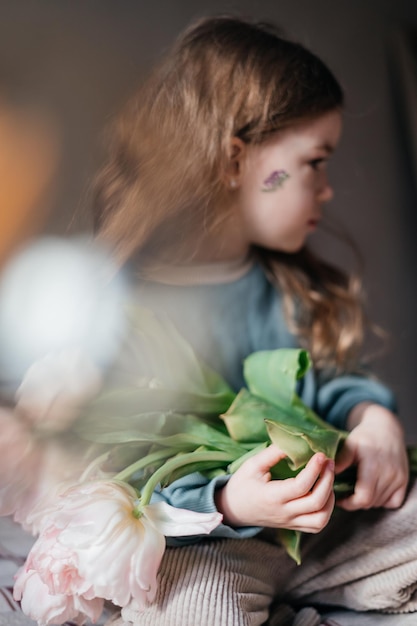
(180, 245)
(224, 245)
(215, 253)
(212, 272)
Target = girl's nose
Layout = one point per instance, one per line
(325, 192)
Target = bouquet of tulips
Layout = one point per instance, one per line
(87, 451)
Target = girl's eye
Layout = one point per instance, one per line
(318, 163)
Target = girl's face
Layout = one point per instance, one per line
(282, 184)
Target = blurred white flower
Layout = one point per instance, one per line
(55, 387)
(57, 293)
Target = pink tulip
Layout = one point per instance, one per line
(99, 542)
(46, 608)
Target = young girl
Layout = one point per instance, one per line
(217, 178)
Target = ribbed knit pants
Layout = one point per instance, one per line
(363, 561)
(221, 582)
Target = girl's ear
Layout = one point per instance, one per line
(234, 168)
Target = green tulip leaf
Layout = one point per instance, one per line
(233, 467)
(292, 442)
(184, 432)
(245, 419)
(273, 374)
(301, 444)
(154, 349)
(121, 402)
(291, 540)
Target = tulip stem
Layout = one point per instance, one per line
(179, 461)
(149, 459)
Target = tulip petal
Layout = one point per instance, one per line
(175, 522)
(47, 609)
(146, 563)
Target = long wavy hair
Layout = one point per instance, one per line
(163, 187)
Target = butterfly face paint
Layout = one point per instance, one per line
(275, 180)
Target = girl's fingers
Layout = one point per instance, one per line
(345, 458)
(262, 462)
(315, 522)
(304, 482)
(396, 499)
(391, 490)
(366, 488)
(318, 498)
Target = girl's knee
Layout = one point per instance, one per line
(214, 582)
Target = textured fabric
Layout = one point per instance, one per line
(284, 615)
(219, 582)
(364, 561)
(307, 617)
(371, 618)
(198, 274)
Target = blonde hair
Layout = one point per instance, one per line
(225, 77)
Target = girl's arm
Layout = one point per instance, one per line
(249, 500)
(376, 445)
(366, 408)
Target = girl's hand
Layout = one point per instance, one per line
(252, 498)
(376, 445)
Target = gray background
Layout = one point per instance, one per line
(78, 61)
